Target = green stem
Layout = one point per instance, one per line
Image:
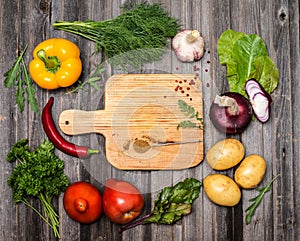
(50, 213)
(52, 63)
(84, 29)
(36, 211)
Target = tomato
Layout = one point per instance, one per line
(83, 202)
(122, 201)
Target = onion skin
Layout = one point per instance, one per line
(228, 123)
(259, 99)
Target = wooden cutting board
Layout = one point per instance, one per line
(142, 110)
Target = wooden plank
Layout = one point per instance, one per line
(284, 212)
(8, 38)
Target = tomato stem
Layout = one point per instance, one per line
(52, 63)
(81, 205)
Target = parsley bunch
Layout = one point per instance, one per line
(40, 174)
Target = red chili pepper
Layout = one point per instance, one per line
(57, 139)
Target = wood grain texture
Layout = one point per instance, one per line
(277, 218)
(141, 111)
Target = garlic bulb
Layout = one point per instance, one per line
(188, 45)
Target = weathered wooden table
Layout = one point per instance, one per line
(277, 218)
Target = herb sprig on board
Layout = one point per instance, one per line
(191, 113)
(19, 76)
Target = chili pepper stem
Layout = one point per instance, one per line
(92, 151)
(52, 63)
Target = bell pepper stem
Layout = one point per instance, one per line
(52, 63)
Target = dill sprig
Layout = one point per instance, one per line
(191, 113)
(138, 35)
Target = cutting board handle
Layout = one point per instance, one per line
(75, 122)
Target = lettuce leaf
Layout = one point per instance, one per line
(246, 57)
(225, 44)
(266, 72)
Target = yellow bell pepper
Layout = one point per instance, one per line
(56, 63)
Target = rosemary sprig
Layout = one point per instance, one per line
(191, 113)
(257, 200)
(19, 76)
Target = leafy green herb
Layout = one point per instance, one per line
(18, 76)
(138, 35)
(190, 112)
(39, 174)
(171, 205)
(92, 80)
(246, 57)
(257, 200)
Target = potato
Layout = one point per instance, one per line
(225, 154)
(222, 190)
(250, 172)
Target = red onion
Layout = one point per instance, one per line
(231, 113)
(259, 99)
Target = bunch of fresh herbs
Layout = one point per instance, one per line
(37, 174)
(138, 35)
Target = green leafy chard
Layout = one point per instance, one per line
(19, 76)
(246, 57)
(39, 174)
(257, 200)
(171, 205)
